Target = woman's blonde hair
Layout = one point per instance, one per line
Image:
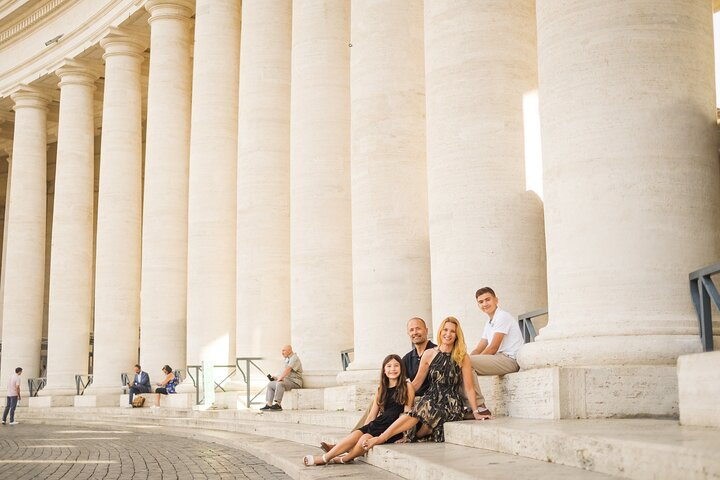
(459, 349)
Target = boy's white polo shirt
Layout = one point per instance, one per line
(503, 322)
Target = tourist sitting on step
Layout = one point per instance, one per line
(418, 332)
(166, 386)
(289, 378)
(394, 396)
(496, 352)
(140, 384)
(448, 367)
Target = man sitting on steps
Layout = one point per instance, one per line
(140, 384)
(289, 378)
(498, 347)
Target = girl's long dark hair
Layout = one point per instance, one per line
(401, 390)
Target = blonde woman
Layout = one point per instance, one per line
(449, 367)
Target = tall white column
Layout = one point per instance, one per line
(485, 228)
(24, 265)
(320, 186)
(163, 296)
(117, 263)
(212, 189)
(263, 181)
(632, 192)
(8, 149)
(71, 262)
(391, 264)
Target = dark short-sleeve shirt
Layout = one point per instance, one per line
(412, 364)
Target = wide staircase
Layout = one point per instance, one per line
(501, 448)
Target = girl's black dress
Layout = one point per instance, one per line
(391, 411)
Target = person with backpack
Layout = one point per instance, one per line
(165, 387)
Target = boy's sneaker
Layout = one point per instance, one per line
(3, 422)
(276, 407)
(14, 423)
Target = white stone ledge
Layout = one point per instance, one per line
(699, 389)
(592, 392)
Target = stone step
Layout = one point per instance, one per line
(629, 448)
(416, 461)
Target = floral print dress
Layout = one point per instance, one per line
(442, 402)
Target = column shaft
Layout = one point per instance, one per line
(391, 265)
(320, 186)
(263, 181)
(164, 248)
(631, 177)
(25, 260)
(71, 262)
(212, 185)
(117, 264)
(485, 228)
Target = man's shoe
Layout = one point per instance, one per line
(14, 423)
(127, 405)
(276, 407)
(265, 407)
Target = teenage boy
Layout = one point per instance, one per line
(500, 342)
(13, 397)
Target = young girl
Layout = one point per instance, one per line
(395, 395)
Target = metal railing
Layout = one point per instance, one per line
(702, 290)
(198, 379)
(124, 379)
(249, 362)
(35, 385)
(526, 325)
(82, 382)
(345, 357)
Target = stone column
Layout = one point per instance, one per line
(212, 185)
(71, 262)
(117, 264)
(486, 229)
(391, 264)
(164, 248)
(8, 149)
(263, 181)
(320, 187)
(631, 184)
(24, 265)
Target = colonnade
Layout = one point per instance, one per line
(319, 171)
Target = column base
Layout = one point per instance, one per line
(320, 378)
(359, 377)
(699, 389)
(47, 401)
(89, 400)
(584, 392)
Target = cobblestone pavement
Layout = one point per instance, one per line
(54, 452)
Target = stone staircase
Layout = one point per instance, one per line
(502, 448)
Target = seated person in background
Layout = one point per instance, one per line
(166, 386)
(291, 377)
(394, 396)
(418, 333)
(140, 384)
(501, 340)
(448, 367)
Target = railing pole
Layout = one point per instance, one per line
(705, 314)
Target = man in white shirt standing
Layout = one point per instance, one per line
(13, 397)
(501, 340)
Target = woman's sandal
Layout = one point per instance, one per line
(486, 414)
(309, 460)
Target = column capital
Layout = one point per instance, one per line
(170, 9)
(119, 41)
(78, 72)
(26, 96)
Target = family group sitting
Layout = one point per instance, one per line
(432, 384)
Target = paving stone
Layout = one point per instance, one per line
(29, 452)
